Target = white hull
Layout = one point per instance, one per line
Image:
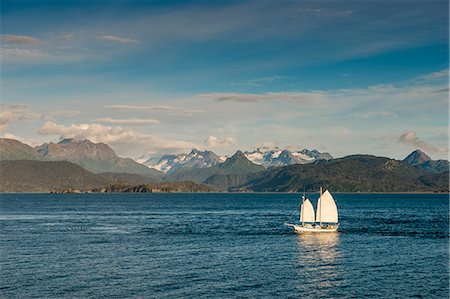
(312, 229)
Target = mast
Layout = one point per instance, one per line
(302, 208)
(320, 217)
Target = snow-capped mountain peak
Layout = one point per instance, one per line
(276, 157)
(195, 159)
(265, 156)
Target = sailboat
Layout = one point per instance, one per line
(324, 220)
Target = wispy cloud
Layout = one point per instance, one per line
(299, 97)
(117, 39)
(377, 114)
(131, 121)
(411, 138)
(189, 112)
(436, 75)
(66, 113)
(21, 39)
(213, 142)
(15, 113)
(141, 107)
(442, 90)
(258, 82)
(22, 55)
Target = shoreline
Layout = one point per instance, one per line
(337, 192)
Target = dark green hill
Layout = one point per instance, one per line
(358, 173)
(44, 176)
(239, 164)
(226, 182)
(129, 178)
(62, 176)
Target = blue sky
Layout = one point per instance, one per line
(152, 77)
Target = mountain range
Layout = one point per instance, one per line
(267, 157)
(238, 164)
(94, 157)
(95, 165)
(273, 157)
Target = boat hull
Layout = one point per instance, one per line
(312, 229)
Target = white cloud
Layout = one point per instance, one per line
(435, 75)
(22, 55)
(15, 113)
(21, 39)
(125, 141)
(117, 39)
(213, 142)
(411, 138)
(131, 121)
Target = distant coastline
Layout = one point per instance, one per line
(217, 192)
(98, 169)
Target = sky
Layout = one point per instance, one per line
(155, 77)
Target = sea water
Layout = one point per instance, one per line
(220, 246)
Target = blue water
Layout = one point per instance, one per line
(220, 246)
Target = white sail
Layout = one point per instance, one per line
(327, 209)
(307, 212)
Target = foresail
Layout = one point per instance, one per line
(327, 209)
(307, 212)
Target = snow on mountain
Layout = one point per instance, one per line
(267, 157)
(271, 157)
(144, 158)
(195, 159)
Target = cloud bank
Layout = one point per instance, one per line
(124, 141)
(213, 142)
(15, 113)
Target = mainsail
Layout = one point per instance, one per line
(326, 209)
(307, 212)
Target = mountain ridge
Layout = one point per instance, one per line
(267, 157)
(353, 173)
(95, 157)
(421, 160)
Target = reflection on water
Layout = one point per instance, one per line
(322, 246)
(318, 256)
